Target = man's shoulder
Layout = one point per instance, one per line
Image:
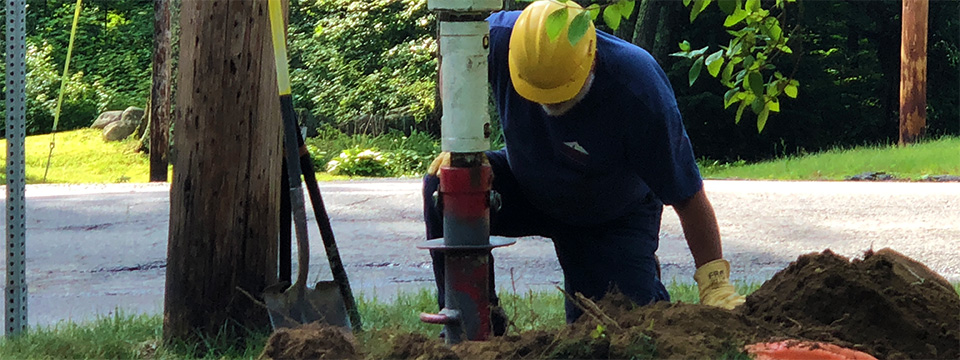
(503, 19)
(630, 66)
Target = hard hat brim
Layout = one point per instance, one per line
(555, 95)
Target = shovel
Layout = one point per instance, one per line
(297, 304)
(326, 234)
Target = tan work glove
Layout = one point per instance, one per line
(713, 279)
(442, 160)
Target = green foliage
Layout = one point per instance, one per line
(82, 101)
(612, 12)
(359, 162)
(353, 58)
(757, 40)
(110, 67)
(401, 155)
(846, 56)
(113, 44)
(409, 156)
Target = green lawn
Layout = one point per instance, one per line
(937, 157)
(82, 157)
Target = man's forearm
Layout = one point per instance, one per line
(700, 228)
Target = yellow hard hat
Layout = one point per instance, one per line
(545, 71)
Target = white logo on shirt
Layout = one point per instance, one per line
(576, 146)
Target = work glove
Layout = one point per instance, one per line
(442, 160)
(713, 279)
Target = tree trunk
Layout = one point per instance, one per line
(224, 198)
(664, 42)
(652, 30)
(160, 92)
(648, 11)
(913, 71)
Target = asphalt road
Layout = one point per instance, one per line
(93, 249)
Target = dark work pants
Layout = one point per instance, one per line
(595, 259)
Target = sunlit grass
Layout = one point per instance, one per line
(915, 162)
(82, 157)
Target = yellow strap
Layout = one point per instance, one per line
(63, 86)
(279, 46)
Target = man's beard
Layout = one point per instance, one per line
(559, 109)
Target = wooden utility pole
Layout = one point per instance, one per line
(160, 93)
(224, 199)
(913, 71)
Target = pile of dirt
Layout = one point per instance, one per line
(661, 330)
(886, 304)
(311, 341)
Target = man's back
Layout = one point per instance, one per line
(623, 141)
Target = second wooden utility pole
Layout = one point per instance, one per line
(913, 71)
(160, 93)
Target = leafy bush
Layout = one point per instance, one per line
(412, 154)
(359, 162)
(352, 58)
(402, 155)
(82, 101)
(113, 45)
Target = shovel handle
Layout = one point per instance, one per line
(296, 191)
(290, 147)
(326, 234)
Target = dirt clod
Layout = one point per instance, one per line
(310, 341)
(419, 347)
(885, 304)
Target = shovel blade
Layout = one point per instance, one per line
(292, 307)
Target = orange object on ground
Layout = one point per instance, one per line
(805, 350)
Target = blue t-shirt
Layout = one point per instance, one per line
(622, 142)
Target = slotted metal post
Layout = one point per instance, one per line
(15, 288)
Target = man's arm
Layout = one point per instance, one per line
(703, 237)
(700, 228)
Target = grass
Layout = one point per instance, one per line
(935, 157)
(82, 157)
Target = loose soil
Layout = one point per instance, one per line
(885, 304)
